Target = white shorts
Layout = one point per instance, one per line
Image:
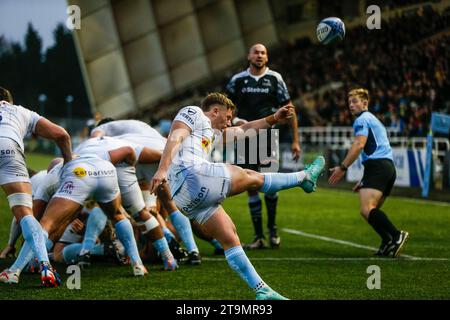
(12, 162)
(70, 236)
(132, 199)
(84, 177)
(206, 185)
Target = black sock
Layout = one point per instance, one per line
(255, 211)
(382, 225)
(271, 205)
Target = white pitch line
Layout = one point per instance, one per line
(331, 259)
(343, 242)
(431, 202)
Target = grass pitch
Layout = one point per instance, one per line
(312, 262)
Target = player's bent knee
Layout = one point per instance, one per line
(20, 199)
(365, 211)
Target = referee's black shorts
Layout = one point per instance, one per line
(379, 174)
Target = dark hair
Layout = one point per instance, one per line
(5, 95)
(217, 98)
(105, 120)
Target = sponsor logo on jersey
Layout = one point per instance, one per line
(266, 83)
(7, 152)
(191, 112)
(79, 172)
(198, 199)
(255, 90)
(67, 187)
(1, 118)
(21, 175)
(101, 173)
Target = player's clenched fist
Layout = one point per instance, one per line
(284, 113)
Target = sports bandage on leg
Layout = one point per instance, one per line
(149, 225)
(149, 199)
(20, 199)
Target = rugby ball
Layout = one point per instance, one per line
(330, 30)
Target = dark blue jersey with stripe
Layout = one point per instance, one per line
(257, 97)
(377, 145)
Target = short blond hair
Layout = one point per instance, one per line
(361, 93)
(217, 98)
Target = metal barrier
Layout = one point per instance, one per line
(342, 137)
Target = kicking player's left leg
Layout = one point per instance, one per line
(270, 183)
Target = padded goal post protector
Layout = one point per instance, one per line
(440, 123)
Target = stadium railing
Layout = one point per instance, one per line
(342, 137)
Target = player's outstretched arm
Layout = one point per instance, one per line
(283, 115)
(178, 133)
(338, 172)
(48, 130)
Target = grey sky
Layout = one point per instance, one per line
(43, 14)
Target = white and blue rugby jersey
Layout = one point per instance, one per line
(16, 122)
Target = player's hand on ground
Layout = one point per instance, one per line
(77, 225)
(284, 114)
(159, 179)
(296, 150)
(336, 176)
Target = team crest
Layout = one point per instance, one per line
(79, 172)
(206, 143)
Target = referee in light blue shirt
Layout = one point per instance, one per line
(371, 142)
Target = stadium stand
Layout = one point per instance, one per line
(405, 73)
